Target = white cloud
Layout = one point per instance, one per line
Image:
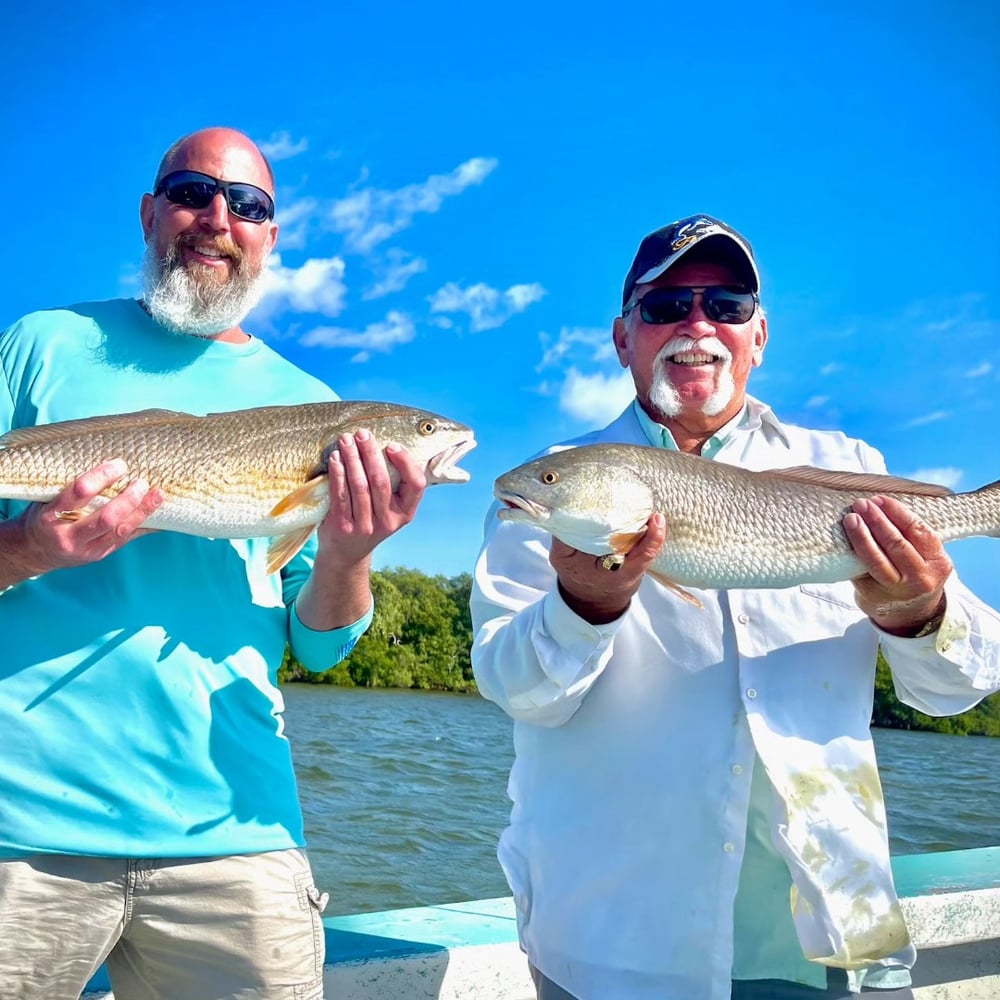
(396, 328)
(486, 307)
(281, 147)
(372, 215)
(594, 342)
(944, 476)
(984, 369)
(596, 399)
(813, 402)
(315, 287)
(293, 221)
(831, 369)
(928, 418)
(396, 271)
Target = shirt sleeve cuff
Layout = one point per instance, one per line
(318, 650)
(580, 642)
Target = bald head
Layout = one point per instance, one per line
(223, 145)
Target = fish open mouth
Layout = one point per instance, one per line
(514, 503)
(443, 468)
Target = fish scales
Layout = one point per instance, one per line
(726, 526)
(240, 474)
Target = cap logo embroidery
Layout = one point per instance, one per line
(690, 232)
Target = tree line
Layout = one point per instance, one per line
(421, 637)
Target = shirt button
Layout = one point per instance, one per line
(751, 693)
(737, 769)
(743, 619)
(728, 847)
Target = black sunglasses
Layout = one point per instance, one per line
(722, 304)
(196, 190)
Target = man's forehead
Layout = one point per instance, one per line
(230, 159)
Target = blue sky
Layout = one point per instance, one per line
(461, 189)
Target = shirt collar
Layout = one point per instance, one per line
(750, 418)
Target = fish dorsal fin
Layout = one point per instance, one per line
(45, 434)
(859, 482)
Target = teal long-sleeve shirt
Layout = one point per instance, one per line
(138, 695)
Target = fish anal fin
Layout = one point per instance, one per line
(311, 493)
(859, 482)
(674, 588)
(284, 547)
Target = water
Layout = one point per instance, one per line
(404, 793)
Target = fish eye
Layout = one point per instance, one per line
(427, 427)
(549, 477)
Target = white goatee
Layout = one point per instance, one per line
(665, 397)
(191, 301)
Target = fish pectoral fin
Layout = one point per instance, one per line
(284, 547)
(678, 590)
(311, 493)
(625, 541)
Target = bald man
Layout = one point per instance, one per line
(148, 807)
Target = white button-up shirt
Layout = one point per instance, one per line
(635, 742)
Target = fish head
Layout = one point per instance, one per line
(578, 496)
(437, 443)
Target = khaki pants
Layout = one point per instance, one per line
(233, 928)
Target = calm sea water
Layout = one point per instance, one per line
(404, 793)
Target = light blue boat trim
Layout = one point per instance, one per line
(947, 871)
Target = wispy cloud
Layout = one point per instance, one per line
(382, 337)
(927, 418)
(281, 146)
(370, 216)
(980, 370)
(596, 399)
(831, 369)
(486, 307)
(593, 342)
(944, 476)
(294, 221)
(394, 272)
(315, 287)
(814, 402)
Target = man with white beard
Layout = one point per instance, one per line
(149, 815)
(664, 751)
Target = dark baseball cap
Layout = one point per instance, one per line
(662, 249)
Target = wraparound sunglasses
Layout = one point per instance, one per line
(722, 304)
(196, 190)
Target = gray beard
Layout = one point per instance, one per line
(184, 302)
(667, 401)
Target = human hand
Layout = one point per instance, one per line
(364, 508)
(906, 562)
(599, 595)
(67, 532)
